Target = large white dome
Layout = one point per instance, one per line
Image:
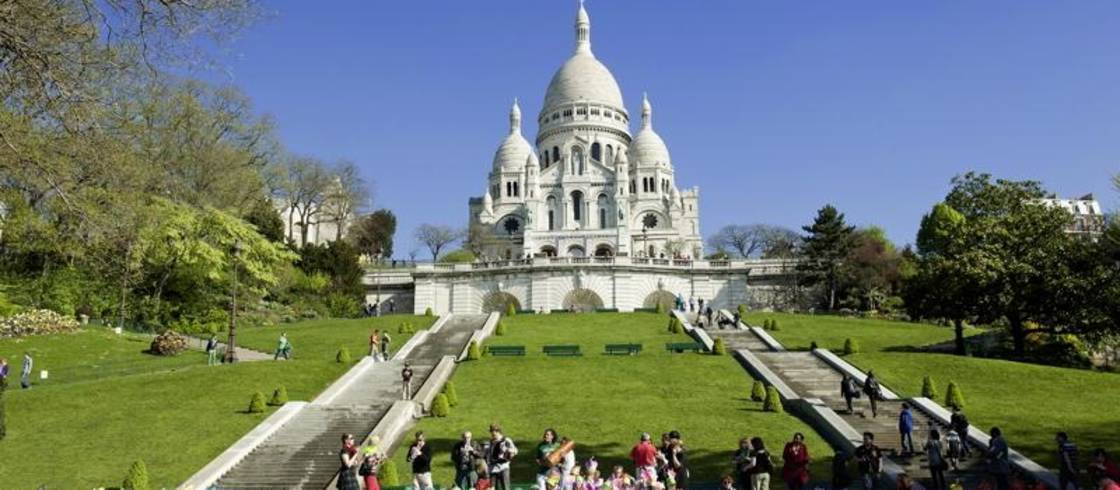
(583, 79)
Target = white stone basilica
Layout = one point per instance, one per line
(586, 187)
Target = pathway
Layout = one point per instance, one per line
(304, 452)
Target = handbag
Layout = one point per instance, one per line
(365, 469)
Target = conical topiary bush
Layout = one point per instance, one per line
(256, 404)
(511, 310)
(428, 311)
(137, 478)
(851, 346)
(452, 395)
(279, 397)
(440, 406)
(929, 390)
(718, 348)
(954, 398)
(743, 311)
(773, 401)
(343, 355)
(758, 391)
(774, 324)
(500, 330)
(388, 475)
(473, 352)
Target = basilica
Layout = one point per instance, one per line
(586, 186)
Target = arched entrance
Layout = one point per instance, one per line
(548, 251)
(582, 300)
(499, 301)
(660, 297)
(604, 250)
(576, 251)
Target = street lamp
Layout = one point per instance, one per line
(231, 344)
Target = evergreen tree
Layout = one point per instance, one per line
(929, 389)
(452, 395)
(473, 352)
(137, 478)
(773, 401)
(440, 406)
(758, 391)
(825, 249)
(256, 404)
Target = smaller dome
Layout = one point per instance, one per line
(514, 150)
(648, 148)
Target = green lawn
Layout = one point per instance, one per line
(829, 332)
(604, 402)
(82, 430)
(321, 339)
(1029, 402)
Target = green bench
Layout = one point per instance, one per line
(623, 349)
(683, 346)
(562, 350)
(506, 350)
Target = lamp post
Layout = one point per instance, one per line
(377, 280)
(231, 343)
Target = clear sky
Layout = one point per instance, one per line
(772, 108)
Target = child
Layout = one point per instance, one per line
(573, 480)
(483, 473)
(594, 480)
(954, 441)
(620, 480)
(727, 483)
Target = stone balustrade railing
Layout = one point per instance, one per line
(756, 266)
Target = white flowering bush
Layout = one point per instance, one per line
(36, 322)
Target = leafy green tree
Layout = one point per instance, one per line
(825, 250)
(460, 256)
(872, 271)
(267, 220)
(373, 234)
(338, 260)
(949, 273)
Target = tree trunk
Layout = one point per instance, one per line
(1018, 335)
(958, 336)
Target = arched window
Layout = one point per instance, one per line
(555, 154)
(551, 202)
(544, 158)
(577, 206)
(509, 189)
(610, 155)
(596, 152)
(516, 189)
(603, 203)
(633, 186)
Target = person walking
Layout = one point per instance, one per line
(406, 381)
(420, 456)
(935, 456)
(691, 304)
(869, 459)
(385, 341)
(283, 347)
(849, 389)
(463, 456)
(212, 351)
(906, 430)
(375, 345)
(700, 302)
(501, 452)
(392, 305)
(348, 457)
(997, 455)
(644, 457)
(953, 444)
(873, 391)
(25, 374)
(1067, 461)
(761, 465)
(959, 422)
(795, 462)
(547, 445)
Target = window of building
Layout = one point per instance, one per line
(556, 154)
(516, 189)
(568, 113)
(596, 152)
(577, 206)
(581, 111)
(594, 112)
(610, 155)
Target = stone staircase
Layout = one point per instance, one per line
(304, 452)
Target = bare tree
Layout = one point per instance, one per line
(303, 185)
(781, 243)
(436, 237)
(744, 240)
(347, 195)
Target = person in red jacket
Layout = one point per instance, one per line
(795, 468)
(644, 456)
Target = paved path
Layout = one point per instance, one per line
(243, 354)
(304, 452)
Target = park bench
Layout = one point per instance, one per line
(683, 346)
(623, 349)
(562, 350)
(506, 350)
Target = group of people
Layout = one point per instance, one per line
(25, 372)
(375, 309)
(704, 312)
(753, 465)
(379, 345)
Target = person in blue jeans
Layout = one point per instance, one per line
(906, 429)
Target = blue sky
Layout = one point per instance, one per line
(772, 108)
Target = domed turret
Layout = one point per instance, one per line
(648, 149)
(582, 79)
(514, 149)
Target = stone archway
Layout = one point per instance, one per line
(666, 299)
(582, 300)
(499, 301)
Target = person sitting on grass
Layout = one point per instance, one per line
(727, 483)
(620, 480)
(594, 480)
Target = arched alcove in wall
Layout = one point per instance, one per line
(499, 301)
(662, 297)
(582, 300)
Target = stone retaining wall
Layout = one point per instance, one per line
(434, 384)
(767, 339)
(846, 368)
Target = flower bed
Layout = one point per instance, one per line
(36, 322)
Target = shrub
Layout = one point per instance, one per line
(742, 311)
(511, 310)
(137, 478)
(851, 346)
(279, 397)
(440, 407)
(954, 398)
(36, 322)
(929, 390)
(343, 355)
(500, 329)
(387, 475)
(452, 395)
(168, 343)
(473, 352)
(773, 401)
(428, 311)
(660, 308)
(813, 345)
(675, 325)
(774, 324)
(718, 348)
(758, 391)
(256, 404)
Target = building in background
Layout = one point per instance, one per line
(1088, 220)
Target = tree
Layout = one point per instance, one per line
(781, 243)
(826, 248)
(304, 184)
(743, 240)
(373, 234)
(137, 477)
(347, 195)
(949, 276)
(872, 272)
(266, 219)
(436, 237)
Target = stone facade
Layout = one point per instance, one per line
(586, 187)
